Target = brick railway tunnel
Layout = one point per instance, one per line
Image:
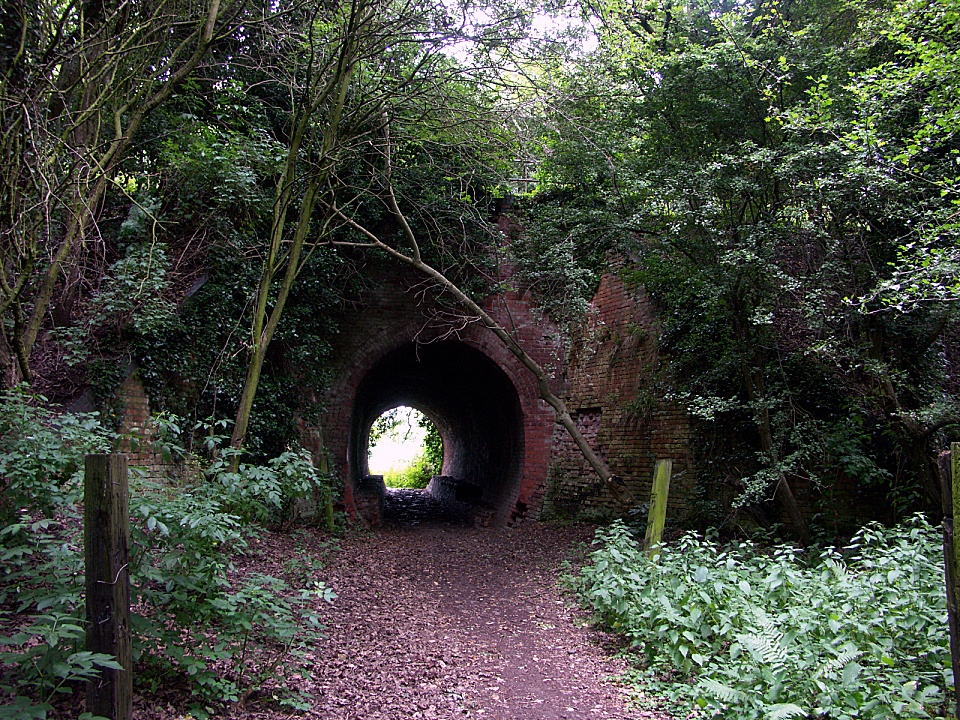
(473, 404)
(504, 452)
(397, 347)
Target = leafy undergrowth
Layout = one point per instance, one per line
(414, 476)
(742, 632)
(194, 616)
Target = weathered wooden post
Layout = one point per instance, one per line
(106, 532)
(950, 500)
(658, 507)
(328, 517)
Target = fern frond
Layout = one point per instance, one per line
(766, 647)
(838, 568)
(723, 693)
(840, 661)
(782, 711)
(767, 623)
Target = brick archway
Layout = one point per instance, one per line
(473, 403)
(501, 429)
(609, 377)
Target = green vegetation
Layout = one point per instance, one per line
(781, 176)
(746, 632)
(416, 475)
(194, 618)
(421, 443)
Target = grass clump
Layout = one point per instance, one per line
(741, 632)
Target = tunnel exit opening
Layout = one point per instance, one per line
(476, 411)
(405, 448)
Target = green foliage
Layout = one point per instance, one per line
(192, 615)
(908, 120)
(46, 657)
(195, 367)
(562, 252)
(131, 297)
(203, 187)
(133, 290)
(267, 493)
(186, 539)
(405, 425)
(391, 424)
(415, 475)
(41, 454)
(779, 180)
(743, 632)
(432, 444)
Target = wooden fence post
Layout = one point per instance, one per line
(106, 532)
(328, 517)
(950, 499)
(658, 507)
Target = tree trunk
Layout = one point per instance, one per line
(783, 493)
(614, 483)
(264, 325)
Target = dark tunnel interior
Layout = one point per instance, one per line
(467, 396)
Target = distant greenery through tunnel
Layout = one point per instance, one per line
(405, 447)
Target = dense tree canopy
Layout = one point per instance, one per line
(781, 177)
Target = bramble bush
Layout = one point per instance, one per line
(190, 617)
(744, 632)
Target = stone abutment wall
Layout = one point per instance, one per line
(615, 390)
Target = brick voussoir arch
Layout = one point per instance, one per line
(504, 447)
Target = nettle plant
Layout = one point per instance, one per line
(744, 632)
(191, 616)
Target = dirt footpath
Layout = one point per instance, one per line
(440, 621)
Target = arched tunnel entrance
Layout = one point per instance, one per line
(472, 402)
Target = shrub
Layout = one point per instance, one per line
(190, 617)
(415, 475)
(41, 455)
(740, 632)
(267, 493)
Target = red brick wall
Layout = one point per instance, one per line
(616, 390)
(136, 424)
(396, 313)
(609, 374)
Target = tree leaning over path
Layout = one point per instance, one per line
(412, 257)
